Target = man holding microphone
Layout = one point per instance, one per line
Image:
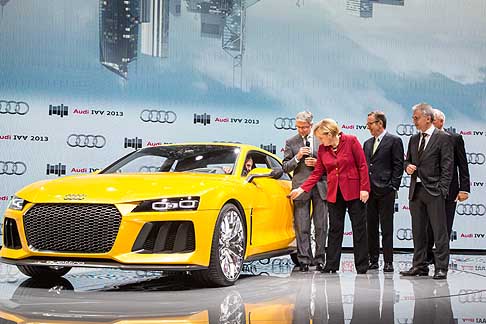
(300, 157)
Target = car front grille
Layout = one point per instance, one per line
(78, 228)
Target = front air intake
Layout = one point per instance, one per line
(166, 237)
(11, 238)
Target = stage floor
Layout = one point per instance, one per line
(269, 292)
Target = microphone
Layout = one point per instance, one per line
(307, 144)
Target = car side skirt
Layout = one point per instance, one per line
(271, 254)
(85, 263)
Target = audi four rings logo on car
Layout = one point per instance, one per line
(83, 140)
(405, 182)
(12, 168)
(404, 234)
(405, 129)
(284, 123)
(471, 209)
(14, 107)
(158, 116)
(476, 158)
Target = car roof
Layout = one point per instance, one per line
(244, 147)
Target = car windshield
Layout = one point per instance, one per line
(217, 159)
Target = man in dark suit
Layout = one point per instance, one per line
(429, 162)
(300, 157)
(460, 185)
(384, 155)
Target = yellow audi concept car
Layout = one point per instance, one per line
(199, 207)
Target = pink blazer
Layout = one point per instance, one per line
(346, 169)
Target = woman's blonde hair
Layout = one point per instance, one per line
(327, 126)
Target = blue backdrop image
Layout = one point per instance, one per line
(85, 82)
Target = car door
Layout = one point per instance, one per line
(271, 224)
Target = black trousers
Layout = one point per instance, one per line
(357, 214)
(450, 211)
(426, 208)
(379, 212)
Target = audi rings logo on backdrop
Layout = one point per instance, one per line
(404, 234)
(405, 182)
(471, 209)
(12, 168)
(14, 107)
(158, 116)
(405, 129)
(83, 140)
(284, 123)
(476, 158)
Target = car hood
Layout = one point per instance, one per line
(118, 188)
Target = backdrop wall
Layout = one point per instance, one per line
(85, 82)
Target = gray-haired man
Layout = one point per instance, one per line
(300, 157)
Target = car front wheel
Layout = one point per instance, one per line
(227, 249)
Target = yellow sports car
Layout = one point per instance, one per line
(201, 207)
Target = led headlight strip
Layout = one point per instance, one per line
(168, 204)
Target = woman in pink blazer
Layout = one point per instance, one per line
(342, 158)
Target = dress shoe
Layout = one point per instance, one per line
(320, 267)
(388, 267)
(414, 271)
(373, 266)
(361, 271)
(328, 270)
(304, 268)
(440, 274)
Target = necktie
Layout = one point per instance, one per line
(375, 144)
(422, 145)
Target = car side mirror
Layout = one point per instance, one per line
(264, 173)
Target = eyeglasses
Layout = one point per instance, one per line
(371, 123)
(248, 165)
(302, 127)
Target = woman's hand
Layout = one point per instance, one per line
(363, 196)
(295, 193)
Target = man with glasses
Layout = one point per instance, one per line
(300, 157)
(384, 155)
(429, 162)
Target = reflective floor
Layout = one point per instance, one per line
(269, 292)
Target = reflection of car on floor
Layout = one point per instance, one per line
(178, 207)
(154, 301)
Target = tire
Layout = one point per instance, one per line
(223, 270)
(42, 272)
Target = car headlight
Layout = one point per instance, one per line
(16, 203)
(168, 204)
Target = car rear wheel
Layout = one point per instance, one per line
(43, 271)
(227, 249)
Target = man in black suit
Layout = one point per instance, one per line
(429, 162)
(384, 154)
(460, 185)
